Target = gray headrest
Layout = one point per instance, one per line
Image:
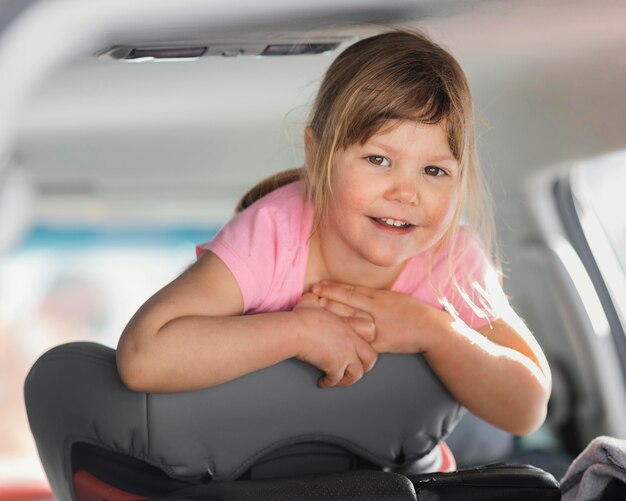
(73, 394)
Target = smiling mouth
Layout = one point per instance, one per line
(392, 223)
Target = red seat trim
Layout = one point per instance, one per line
(89, 488)
(448, 463)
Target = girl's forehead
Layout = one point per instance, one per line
(403, 135)
(403, 126)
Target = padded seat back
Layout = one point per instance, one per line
(394, 416)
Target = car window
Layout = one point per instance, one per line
(73, 284)
(597, 189)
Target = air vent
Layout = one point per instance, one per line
(194, 51)
(167, 53)
(157, 53)
(298, 49)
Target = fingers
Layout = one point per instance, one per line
(342, 309)
(330, 379)
(365, 328)
(350, 375)
(350, 295)
(367, 355)
(308, 300)
(361, 322)
(354, 371)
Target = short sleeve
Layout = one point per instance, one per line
(474, 285)
(266, 249)
(247, 244)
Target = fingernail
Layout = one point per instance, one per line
(316, 288)
(323, 301)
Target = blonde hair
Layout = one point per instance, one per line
(397, 75)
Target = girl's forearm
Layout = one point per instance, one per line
(496, 383)
(194, 352)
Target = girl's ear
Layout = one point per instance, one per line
(311, 144)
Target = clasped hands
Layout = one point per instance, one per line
(347, 326)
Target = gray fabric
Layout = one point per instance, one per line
(475, 442)
(603, 460)
(74, 394)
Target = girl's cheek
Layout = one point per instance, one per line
(354, 191)
(445, 209)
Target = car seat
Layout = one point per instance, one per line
(272, 434)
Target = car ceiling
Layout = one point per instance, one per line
(548, 79)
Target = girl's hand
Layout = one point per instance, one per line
(338, 346)
(403, 323)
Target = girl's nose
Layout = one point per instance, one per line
(403, 190)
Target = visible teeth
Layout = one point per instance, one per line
(393, 222)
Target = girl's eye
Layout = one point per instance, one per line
(433, 170)
(378, 160)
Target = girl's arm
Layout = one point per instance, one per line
(192, 334)
(494, 371)
(498, 371)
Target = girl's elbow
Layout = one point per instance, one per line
(128, 371)
(132, 366)
(533, 404)
(532, 416)
(532, 422)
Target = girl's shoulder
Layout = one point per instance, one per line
(455, 270)
(462, 244)
(284, 216)
(263, 244)
(465, 276)
(462, 255)
(459, 254)
(287, 206)
(466, 245)
(289, 195)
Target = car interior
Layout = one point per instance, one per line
(129, 132)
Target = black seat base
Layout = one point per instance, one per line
(108, 476)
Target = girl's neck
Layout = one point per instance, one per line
(329, 261)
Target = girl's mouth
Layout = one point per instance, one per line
(395, 225)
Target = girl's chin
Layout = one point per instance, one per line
(385, 260)
(390, 258)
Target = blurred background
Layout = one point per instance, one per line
(119, 169)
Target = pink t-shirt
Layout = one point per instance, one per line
(266, 248)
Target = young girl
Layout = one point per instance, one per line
(361, 252)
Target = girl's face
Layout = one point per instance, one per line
(393, 197)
